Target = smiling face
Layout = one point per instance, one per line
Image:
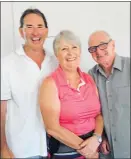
(103, 49)
(34, 31)
(68, 55)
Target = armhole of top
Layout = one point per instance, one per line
(54, 77)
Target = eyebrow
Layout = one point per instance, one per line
(40, 25)
(32, 25)
(28, 25)
(102, 42)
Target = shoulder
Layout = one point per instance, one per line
(7, 61)
(126, 59)
(48, 89)
(48, 83)
(93, 71)
(126, 62)
(48, 80)
(8, 58)
(88, 77)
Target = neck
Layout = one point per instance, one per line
(35, 52)
(71, 74)
(37, 55)
(109, 69)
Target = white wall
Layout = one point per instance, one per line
(80, 17)
(7, 37)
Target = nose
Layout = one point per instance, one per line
(35, 31)
(69, 51)
(99, 52)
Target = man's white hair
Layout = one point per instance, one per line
(99, 31)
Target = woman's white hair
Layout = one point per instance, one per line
(67, 36)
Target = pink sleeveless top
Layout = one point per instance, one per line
(80, 106)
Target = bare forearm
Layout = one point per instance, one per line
(2, 125)
(99, 125)
(3, 137)
(5, 151)
(3, 140)
(67, 137)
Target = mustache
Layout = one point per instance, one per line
(100, 56)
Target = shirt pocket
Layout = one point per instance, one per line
(122, 113)
(123, 96)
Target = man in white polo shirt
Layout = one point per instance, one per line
(22, 129)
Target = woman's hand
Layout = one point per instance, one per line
(89, 147)
(85, 153)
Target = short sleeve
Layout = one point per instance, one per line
(5, 85)
(90, 72)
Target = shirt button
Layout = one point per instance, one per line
(115, 139)
(113, 125)
(110, 95)
(110, 110)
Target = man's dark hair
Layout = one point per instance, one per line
(32, 11)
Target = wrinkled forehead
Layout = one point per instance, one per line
(98, 38)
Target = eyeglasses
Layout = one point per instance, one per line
(100, 46)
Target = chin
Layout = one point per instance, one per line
(106, 66)
(37, 46)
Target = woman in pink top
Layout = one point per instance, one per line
(70, 104)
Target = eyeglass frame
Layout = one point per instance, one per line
(98, 46)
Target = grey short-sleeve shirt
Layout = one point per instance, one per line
(114, 94)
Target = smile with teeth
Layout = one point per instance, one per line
(71, 59)
(36, 39)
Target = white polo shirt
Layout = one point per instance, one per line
(20, 80)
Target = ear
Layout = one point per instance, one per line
(46, 32)
(94, 57)
(113, 45)
(56, 54)
(21, 32)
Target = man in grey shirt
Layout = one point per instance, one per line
(112, 76)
